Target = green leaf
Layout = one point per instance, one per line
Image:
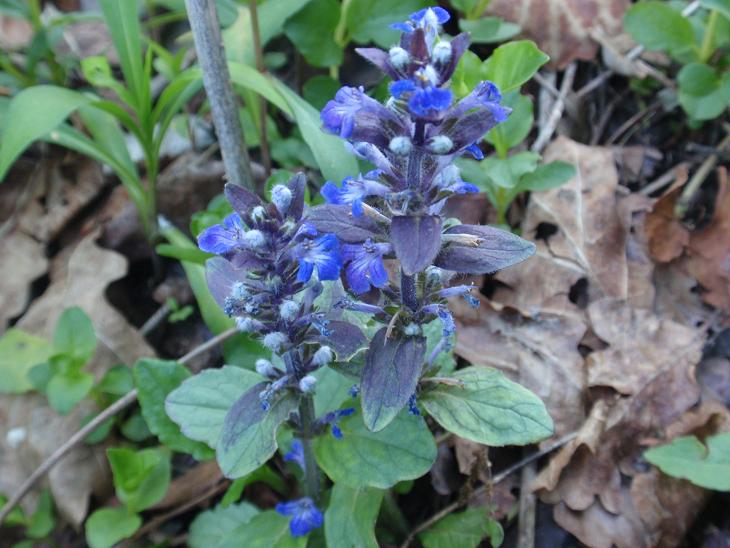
(488, 409)
(506, 173)
(107, 526)
(200, 404)
(469, 72)
(547, 176)
(155, 379)
(264, 474)
(264, 530)
(19, 352)
(238, 38)
(141, 478)
(31, 114)
(445, 361)
(117, 381)
(335, 162)
(318, 90)
(488, 30)
(74, 335)
(701, 92)
(312, 32)
(517, 127)
(211, 527)
(41, 523)
(658, 26)
(135, 428)
(16, 515)
(370, 20)
(66, 389)
(723, 6)
(403, 450)
(686, 458)
(350, 516)
(464, 529)
(180, 253)
(332, 389)
(513, 64)
(122, 20)
(248, 437)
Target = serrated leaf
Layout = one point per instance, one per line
(211, 527)
(403, 450)
(107, 526)
(464, 529)
(200, 404)
(350, 516)
(155, 379)
(686, 457)
(513, 64)
(488, 409)
(248, 437)
(392, 369)
(19, 353)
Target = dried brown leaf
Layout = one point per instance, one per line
(562, 28)
(23, 260)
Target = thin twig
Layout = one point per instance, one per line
(478, 492)
(687, 196)
(632, 55)
(216, 79)
(119, 405)
(551, 124)
(663, 180)
(635, 119)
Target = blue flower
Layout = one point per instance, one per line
(401, 87)
(429, 101)
(338, 115)
(296, 454)
(412, 406)
(365, 265)
(324, 253)
(305, 516)
(333, 417)
(353, 192)
(475, 151)
(423, 17)
(222, 238)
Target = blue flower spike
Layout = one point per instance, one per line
(305, 516)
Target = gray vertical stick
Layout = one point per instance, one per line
(209, 47)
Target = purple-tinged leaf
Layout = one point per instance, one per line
(297, 185)
(458, 46)
(495, 249)
(221, 275)
(379, 58)
(338, 220)
(241, 199)
(389, 379)
(246, 260)
(416, 240)
(345, 339)
(248, 437)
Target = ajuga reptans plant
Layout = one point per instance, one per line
(358, 284)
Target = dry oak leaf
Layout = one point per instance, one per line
(562, 28)
(22, 260)
(640, 345)
(586, 238)
(80, 282)
(594, 496)
(541, 353)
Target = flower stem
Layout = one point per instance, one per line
(409, 295)
(709, 39)
(311, 470)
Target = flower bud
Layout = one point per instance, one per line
(323, 356)
(412, 330)
(307, 384)
(400, 145)
(399, 57)
(258, 214)
(254, 239)
(440, 144)
(442, 52)
(289, 310)
(245, 325)
(239, 291)
(274, 341)
(281, 197)
(265, 368)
